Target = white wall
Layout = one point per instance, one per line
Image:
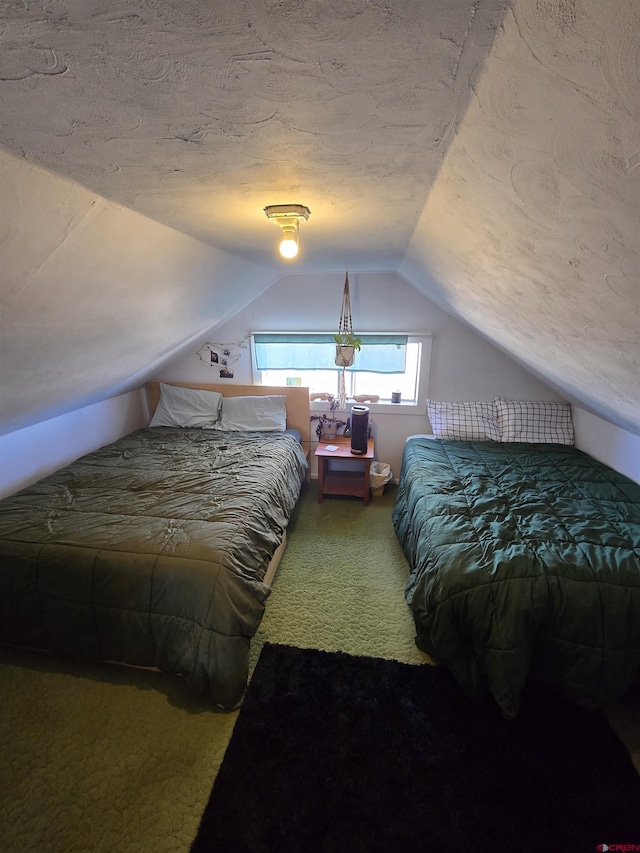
(530, 228)
(29, 454)
(93, 295)
(464, 366)
(614, 446)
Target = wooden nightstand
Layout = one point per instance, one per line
(356, 482)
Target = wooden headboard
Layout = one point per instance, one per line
(297, 400)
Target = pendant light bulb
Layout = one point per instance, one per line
(289, 244)
(288, 217)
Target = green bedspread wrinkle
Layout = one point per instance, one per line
(525, 560)
(152, 552)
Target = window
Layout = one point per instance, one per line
(386, 363)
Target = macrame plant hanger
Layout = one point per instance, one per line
(344, 353)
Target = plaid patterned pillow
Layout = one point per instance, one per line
(464, 421)
(534, 421)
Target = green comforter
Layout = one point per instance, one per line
(525, 559)
(152, 552)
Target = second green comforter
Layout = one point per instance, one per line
(525, 559)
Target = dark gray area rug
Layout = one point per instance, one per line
(333, 752)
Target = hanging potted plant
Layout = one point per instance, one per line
(346, 345)
(346, 342)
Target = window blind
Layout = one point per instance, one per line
(317, 351)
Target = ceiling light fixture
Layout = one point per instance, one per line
(288, 217)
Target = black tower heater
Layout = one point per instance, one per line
(359, 429)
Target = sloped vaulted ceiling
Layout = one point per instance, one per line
(487, 150)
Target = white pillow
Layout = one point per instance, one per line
(187, 407)
(262, 414)
(534, 421)
(474, 421)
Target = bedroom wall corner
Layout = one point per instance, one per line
(606, 442)
(29, 454)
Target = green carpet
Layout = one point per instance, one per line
(96, 758)
(340, 586)
(110, 759)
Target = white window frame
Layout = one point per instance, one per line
(404, 407)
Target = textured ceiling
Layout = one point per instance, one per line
(199, 114)
(487, 150)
